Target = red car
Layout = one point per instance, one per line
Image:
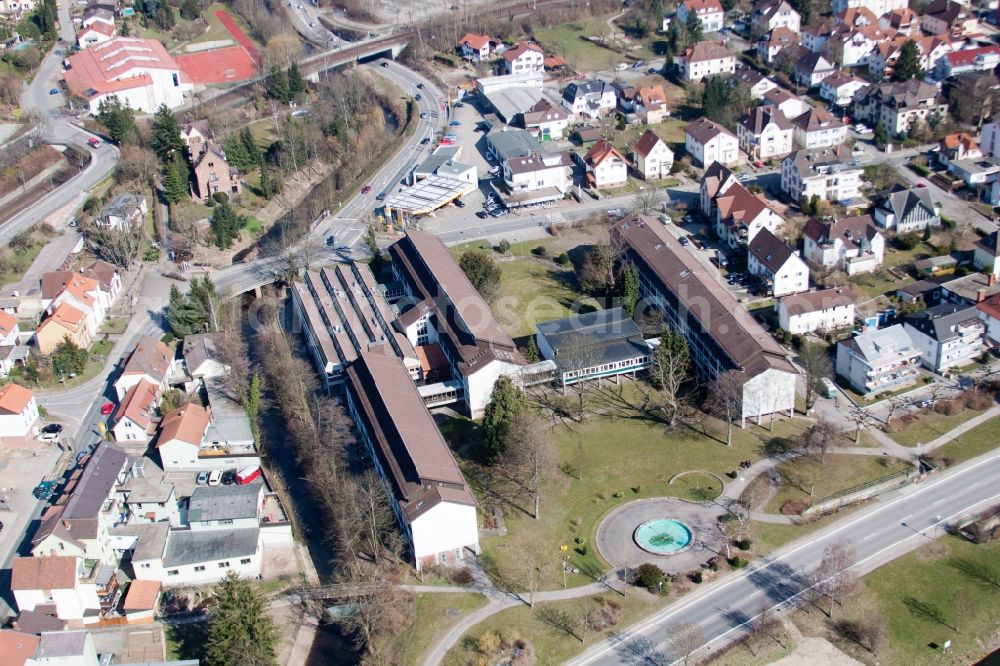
(366, 189)
(107, 408)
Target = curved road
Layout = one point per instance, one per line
(351, 216)
(897, 523)
(58, 128)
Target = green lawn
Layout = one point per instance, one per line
(433, 615)
(582, 55)
(910, 589)
(602, 464)
(550, 644)
(930, 425)
(981, 439)
(670, 130)
(15, 264)
(217, 31)
(838, 472)
(534, 291)
(114, 325)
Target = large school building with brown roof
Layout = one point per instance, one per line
(721, 334)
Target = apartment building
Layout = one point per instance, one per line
(707, 141)
(815, 311)
(529, 179)
(897, 107)
(709, 12)
(849, 244)
(947, 335)
(765, 133)
(818, 128)
(705, 59)
(882, 360)
(739, 215)
(828, 173)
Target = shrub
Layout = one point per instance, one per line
(921, 169)
(976, 400)
(796, 341)
(461, 576)
(503, 246)
(733, 474)
(563, 259)
(737, 563)
(786, 337)
(540, 251)
(728, 517)
(794, 507)
(713, 564)
(696, 577)
(649, 576)
(745, 544)
(907, 241)
(606, 615)
(948, 223)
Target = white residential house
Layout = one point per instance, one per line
(818, 128)
(773, 43)
(764, 133)
(150, 499)
(718, 179)
(705, 59)
(589, 99)
(989, 138)
(811, 68)
(182, 432)
(477, 47)
(133, 419)
(651, 104)
(739, 215)
(849, 244)
(16, 7)
(125, 209)
(525, 57)
(771, 14)
(906, 210)
(546, 119)
(770, 258)
(989, 312)
(881, 360)
(986, 256)
(948, 18)
(876, 7)
(786, 102)
(840, 88)
(815, 311)
(828, 173)
(95, 33)
(898, 106)
(150, 360)
(18, 411)
(538, 171)
(606, 167)
(87, 295)
(707, 141)
(957, 147)
(709, 12)
(60, 583)
(947, 335)
(651, 156)
(758, 84)
(984, 58)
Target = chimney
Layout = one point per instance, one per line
(991, 279)
(980, 295)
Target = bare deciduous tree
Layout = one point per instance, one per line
(725, 399)
(118, 245)
(862, 418)
(816, 367)
(833, 578)
(530, 454)
(685, 639)
(819, 438)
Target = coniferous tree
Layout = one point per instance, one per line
(253, 151)
(165, 135)
(175, 179)
(277, 86)
(236, 154)
(296, 84)
(119, 120)
(695, 31)
(240, 631)
(506, 402)
(190, 10)
(630, 290)
(908, 64)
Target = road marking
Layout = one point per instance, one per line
(942, 499)
(869, 536)
(975, 485)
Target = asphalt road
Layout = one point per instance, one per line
(897, 523)
(350, 219)
(58, 128)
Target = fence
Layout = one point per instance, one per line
(862, 492)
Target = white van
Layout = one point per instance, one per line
(215, 477)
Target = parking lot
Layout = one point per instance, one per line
(22, 470)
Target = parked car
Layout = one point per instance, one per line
(330, 241)
(44, 490)
(385, 64)
(380, 196)
(54, 91)
(829, 388)
(107, 408)
(482, 215)
(455, 123)
(343, 248)
(683, 240)
(420, 86)
(418, 97)
(366, 189)
(424, 141)
(459, 203)
(202, 479)
(215, 477)
(229, 477)
(744, 177)
(50, 433)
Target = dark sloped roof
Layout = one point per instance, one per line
(770, 250)
(816, 301)
(901, 201)
(989, 244)
(705, 300)
(647, 142)
(195, 546)
(704, 130)
(92, 491)
(762, 116)
(941, 322)
(405, 438)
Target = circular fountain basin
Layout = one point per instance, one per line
(663, 536)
